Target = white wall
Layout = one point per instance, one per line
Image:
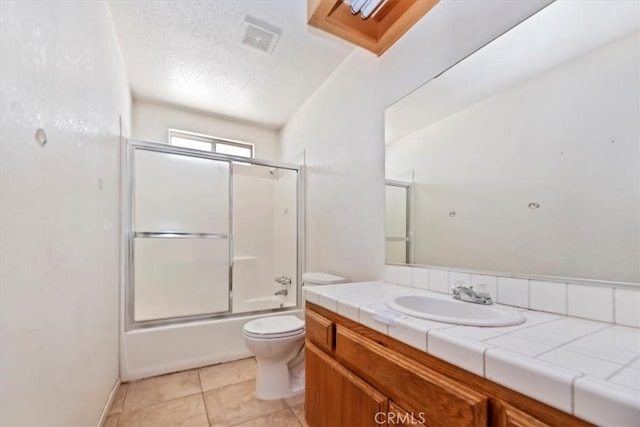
(152, 121)
(546, 139)
(341, 129)
(60, 70)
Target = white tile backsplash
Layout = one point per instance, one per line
(405, 276)
(597, 302)
(627, 307)
(591, 302)
(391, 274)
(548, 296)
(439, 281)
(513, 291)
(421, 278)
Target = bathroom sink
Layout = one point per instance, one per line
(454, 311)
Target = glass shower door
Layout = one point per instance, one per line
(180, 235)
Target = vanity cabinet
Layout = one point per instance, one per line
(339, 397)
(356, 376)
(508, 416)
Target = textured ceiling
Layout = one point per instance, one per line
(189, 53)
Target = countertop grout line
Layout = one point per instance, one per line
(624, 365)
(573, 393)
(571, 341)
(616, 372)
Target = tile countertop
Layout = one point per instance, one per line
(583, 367)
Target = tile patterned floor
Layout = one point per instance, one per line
(216, 396)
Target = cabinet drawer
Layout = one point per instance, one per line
(320, 330)
(418, 389)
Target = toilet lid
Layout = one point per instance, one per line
(274, 325)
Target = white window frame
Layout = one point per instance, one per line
(214, 141)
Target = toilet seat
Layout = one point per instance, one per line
(274, 327)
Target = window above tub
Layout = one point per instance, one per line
(197, 141)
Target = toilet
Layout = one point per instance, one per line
(277, 342)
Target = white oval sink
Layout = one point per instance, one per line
(454, 311)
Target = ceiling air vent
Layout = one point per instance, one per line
(259, 35)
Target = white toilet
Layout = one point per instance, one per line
(277, 342)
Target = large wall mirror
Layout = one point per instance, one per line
(524, 157)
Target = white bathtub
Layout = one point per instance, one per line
(161, 350)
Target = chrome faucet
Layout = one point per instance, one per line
(468, 294)
(283, 280)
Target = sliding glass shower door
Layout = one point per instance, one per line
(208, 235)
(180, 230)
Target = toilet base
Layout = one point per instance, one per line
(277, 381)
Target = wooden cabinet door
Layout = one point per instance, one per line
(508, 416)
(398, 416)
(442, 401)
(336, 397)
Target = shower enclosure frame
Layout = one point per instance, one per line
(407, 238)
(129, 233)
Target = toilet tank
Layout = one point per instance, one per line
(315, 279)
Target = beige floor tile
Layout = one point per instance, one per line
(111, 421)
(283, 418)
(235, 404)
(227, 373)
(187, 411)
(118, 400)
(298, 411)
(295, 400)
(161, 389)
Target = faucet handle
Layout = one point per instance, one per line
(483, 290)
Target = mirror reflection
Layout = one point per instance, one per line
(524, 157)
